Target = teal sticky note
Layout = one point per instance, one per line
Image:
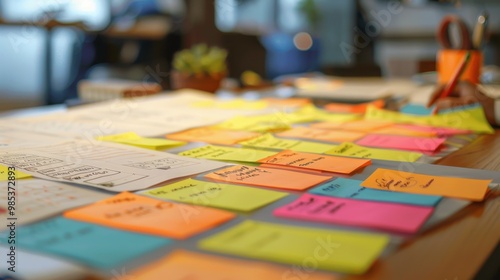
(93, 245)
(416, 109)
(350, 188)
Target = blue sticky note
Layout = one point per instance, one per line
(93, 245)
(349, 188)
(416, 109)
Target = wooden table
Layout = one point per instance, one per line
(464, 246)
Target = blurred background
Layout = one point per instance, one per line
(48, 46)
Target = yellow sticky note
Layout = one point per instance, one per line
(317, 114)
(219, 195)
(394, 180)
(352, 150)
(342, 251)
(327, 135)
(185, 265)
(227, 153)
(268, 141)
(131, 138)
(213, 135)
(15, 174)
(470, 118)
(147, 215)
(260, 123)
(233, 104)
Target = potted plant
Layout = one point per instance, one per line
(200, 67)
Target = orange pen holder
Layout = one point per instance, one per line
(448, 60)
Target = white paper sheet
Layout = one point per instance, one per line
(148, 116)
(37, 199)
(108, 166)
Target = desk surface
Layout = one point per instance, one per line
(459, 248)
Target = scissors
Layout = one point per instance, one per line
(444, 31)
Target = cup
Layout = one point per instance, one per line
(448, 61)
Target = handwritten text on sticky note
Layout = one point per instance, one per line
(316, 162)
(151, 216)
(394, 180)
(267, 177)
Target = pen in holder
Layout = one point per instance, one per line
(448, 60)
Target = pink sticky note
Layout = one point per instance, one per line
(387, 216)
(421, 144)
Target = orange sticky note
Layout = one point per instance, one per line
(185, 265)
(321, 134)
(147, 215)
(267, 177)
(212, 135)
(353, 108)
(326, 163)
(358, 125)
(401, 130)
(394, 180)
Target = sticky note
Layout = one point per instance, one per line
(4, 173)
(350, 188)
(268, 141)
(94, 245)
(259, 123)
(227, 196)
(327, 135)
(131, 138)
(285, 103)
(439, 131)
(405, 131)
(227, 153)
(419, 144)
(186, 265)
(399, 181)
(469, 118)
(147, 215)
(316, 114)
(342, 251)
(352, 150)
(326, 163)
(357, 125)
(351, 212)
(212, 135)
(359, 108)
(267, 177)
(416, 109)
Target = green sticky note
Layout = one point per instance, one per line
(227, 154)
(268, 141)
(468, 118)
(14, 175)
(131, 138)
(342, 251)
(353, 150)
(218, 195)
